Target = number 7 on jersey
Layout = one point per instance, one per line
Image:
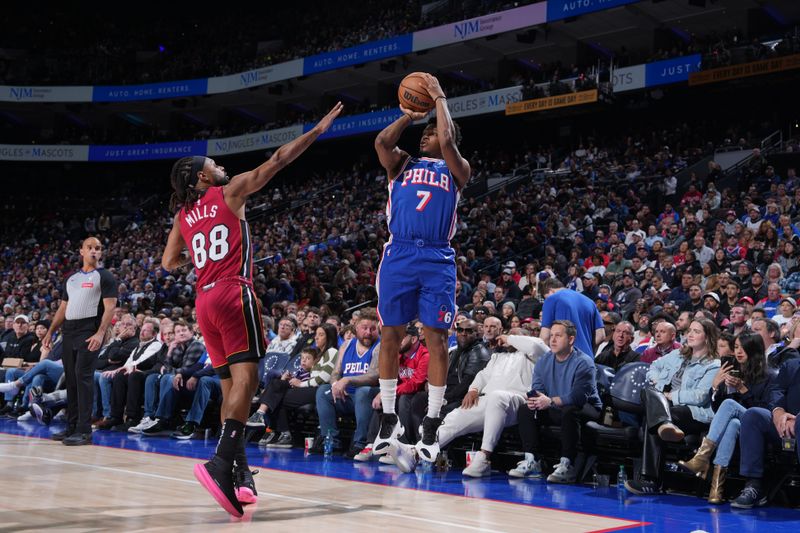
(426, 197)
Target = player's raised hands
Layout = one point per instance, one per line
(417, 115)
(432, 86)
(323, 125)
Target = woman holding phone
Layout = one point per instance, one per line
(677, 400)
(741, 382)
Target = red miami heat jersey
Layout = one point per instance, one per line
(218, 240)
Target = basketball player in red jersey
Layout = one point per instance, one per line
(211, 222)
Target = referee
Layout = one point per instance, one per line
(86, 309)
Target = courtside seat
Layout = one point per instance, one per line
(615, 444)
(624, 437)
(626, 387)
(272, 362)
(784, 463)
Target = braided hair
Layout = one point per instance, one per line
(184, 179)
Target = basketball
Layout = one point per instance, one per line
(413, 95)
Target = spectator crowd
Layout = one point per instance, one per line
(617, 266)
(148, 49)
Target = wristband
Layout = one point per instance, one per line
(434, 100)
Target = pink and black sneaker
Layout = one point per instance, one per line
(245, 486)
(216, 476)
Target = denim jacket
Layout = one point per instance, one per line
(695, 391)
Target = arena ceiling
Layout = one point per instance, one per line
(605, 32)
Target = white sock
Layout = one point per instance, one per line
(435, 400)
(388, 395)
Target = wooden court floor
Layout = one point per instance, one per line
(48, 487)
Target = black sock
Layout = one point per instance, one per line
(240, 457)
(754, 482)
(232, 433)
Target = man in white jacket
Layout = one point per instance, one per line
(494, 397)
(129, 379)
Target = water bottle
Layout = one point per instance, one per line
(608, 417)
(622, 477)
(442, 462)
(328, 445)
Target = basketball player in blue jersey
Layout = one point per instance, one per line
(417, 275)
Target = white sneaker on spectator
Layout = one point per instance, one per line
(386, 459)
(528, 467)
(60, 416)
(38, 412)
(145, 423)
(404, 455)
(364, 455)
(478, 467)
(563, 473)
(25, 417)
(9, 386)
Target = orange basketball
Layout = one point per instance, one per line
(413, 95)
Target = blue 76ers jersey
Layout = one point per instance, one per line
(423, 200)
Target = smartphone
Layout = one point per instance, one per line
(532, 393)
(735, 373)
(730, 360)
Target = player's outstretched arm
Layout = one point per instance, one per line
(174, 256)
(389, 154)
(245, 184)
(459, 167)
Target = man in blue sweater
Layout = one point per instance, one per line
(564, 392)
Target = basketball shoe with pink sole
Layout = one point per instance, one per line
(217, 478)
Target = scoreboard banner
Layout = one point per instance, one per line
(464, 30)
(552, 102)
(253, 141)
(671, 70)
(255, 78)
(356, 55)
(483, 26)
(43, 152)
(746, 70)
(562, 9)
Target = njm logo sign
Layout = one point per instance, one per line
(21, 93)
(467, 28)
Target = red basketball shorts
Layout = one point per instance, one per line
(229, 315)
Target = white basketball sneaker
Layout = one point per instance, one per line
(428, 446)
(390, 431)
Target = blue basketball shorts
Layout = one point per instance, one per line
(417, 280)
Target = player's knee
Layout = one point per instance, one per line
(392, 334)
(244, 374)
(435, 334)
